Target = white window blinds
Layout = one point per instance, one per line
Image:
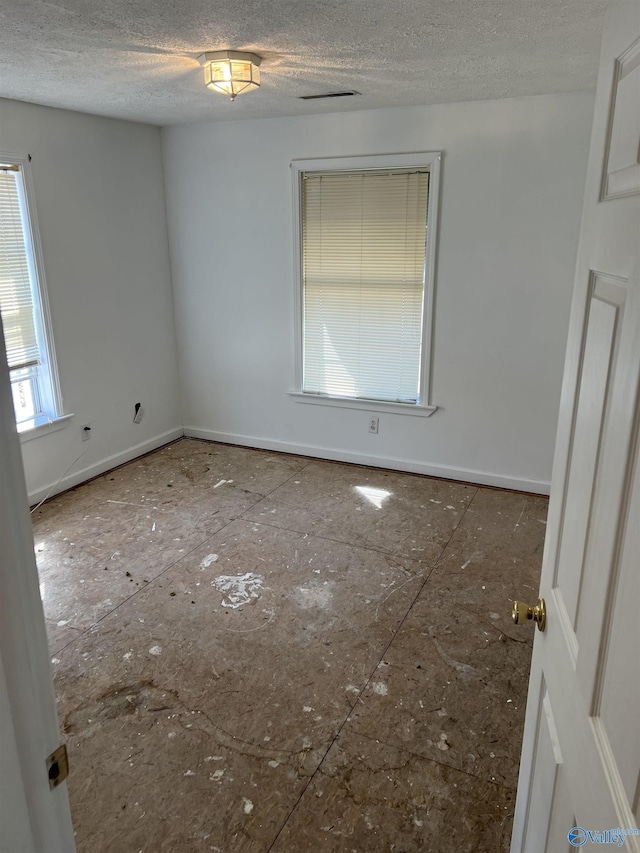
(363, 257)
(16, 300)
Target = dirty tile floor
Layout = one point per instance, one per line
(261, 652)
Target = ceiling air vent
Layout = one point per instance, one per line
(346, 94)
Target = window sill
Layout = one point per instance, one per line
(41, 426)
(367, 405)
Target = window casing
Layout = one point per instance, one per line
(23, 303)
(365, 261)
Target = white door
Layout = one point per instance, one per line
(33, 817)
(581, 751)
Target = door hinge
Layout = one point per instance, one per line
(58, 766)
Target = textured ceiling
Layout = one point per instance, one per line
(137, 59)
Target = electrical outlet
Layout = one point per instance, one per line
(373, 424)
(86, 432)
(139, 412)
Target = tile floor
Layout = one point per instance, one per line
(260, 652)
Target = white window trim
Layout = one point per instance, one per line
(56, 420)
(41, 426)
(419, 159)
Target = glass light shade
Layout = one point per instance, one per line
(231, 72)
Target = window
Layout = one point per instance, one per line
(29, 347)
(366, 262)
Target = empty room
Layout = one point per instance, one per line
(319, 426)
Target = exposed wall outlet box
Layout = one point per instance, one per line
(139, 412)
(86, 432)
(373, 424)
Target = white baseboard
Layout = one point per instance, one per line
(448, 472)
(77, 477)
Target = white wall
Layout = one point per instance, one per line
(512, 185)
(99, 197)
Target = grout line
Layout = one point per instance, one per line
(366, 684)
(142, 589)
(98, 560)
(429, 564)
(389, 554)
(456, 528)
(259, 497)
(279, 486)
(346, 719)
(458, 525)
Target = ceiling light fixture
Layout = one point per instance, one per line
(231, 72)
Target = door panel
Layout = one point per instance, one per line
(598, 366)
(622, 169)
(547, 769)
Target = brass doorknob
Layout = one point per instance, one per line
(522, 612)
